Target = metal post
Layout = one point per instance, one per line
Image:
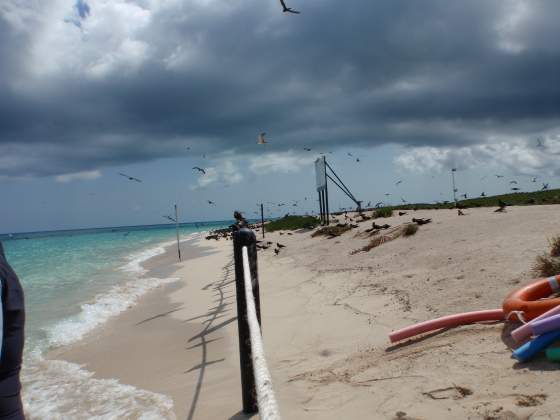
(326, 195)
(327, 215)
(246, 237)
(454, 188)
(177, 232)
(262, 219)
(320, 207)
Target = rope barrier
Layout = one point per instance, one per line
(268, 408)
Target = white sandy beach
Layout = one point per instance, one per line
(326, 315)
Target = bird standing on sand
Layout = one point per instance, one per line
(261, 139)
(199, 170)
(130, 178)
(286, 9)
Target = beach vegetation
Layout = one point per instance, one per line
(546, 266)
(383, 212)
(292, 223)
(410, 229)
(332, 231)
(555, 246)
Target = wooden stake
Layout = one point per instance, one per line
(262, 219)
(177, 231)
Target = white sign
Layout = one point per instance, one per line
(321, 173)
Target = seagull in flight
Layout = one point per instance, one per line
(513, 182)
(544, 187)
(169, 218)
(211, 202)
(403, 200)
(515, 189)
(199, 170)
(398, 182)
(307, 149)
(286, 9)
(499, 176)
(130, 178)
(534, 179)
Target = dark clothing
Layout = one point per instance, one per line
(13, 312)
(11, 407)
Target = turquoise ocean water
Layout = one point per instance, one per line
(74, 281)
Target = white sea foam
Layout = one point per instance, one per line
(55, 389)
(102, 308)
(113, 302)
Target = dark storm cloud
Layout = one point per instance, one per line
(429, 73)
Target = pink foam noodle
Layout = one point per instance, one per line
(447, 322)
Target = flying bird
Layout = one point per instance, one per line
(261, 139)
(513, 182)
(349, 154)
(515, 189)
(377, 205)
(211, 202)
(286, 9)
(169, 218)
(387, 194)
(483, 194)
(130, 178)
(358, 160)
(398, 182)
(544, 187)
(199, 170)
(368, 204)
(499, 176)
(403, 200)
(540, 143)
(534, 179)
(307, 149)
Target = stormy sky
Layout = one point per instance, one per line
(89, 88)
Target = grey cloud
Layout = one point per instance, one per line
(418, 74)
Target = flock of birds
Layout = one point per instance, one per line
(276, 207)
